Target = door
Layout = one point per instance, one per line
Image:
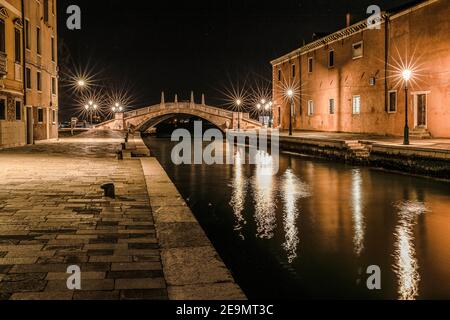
(421, 110)
(29, 125)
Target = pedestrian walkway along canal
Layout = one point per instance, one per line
(314, 229)
(53, 215)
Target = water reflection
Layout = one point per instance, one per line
(406, 264)
(357, 212)
(239, 192)
(264, 187)
(292, 190)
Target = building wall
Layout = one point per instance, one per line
(42, 62)
(13, 130)
(419, 35)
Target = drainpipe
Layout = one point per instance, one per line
(24, 54)
(386, 61)
(24, 102)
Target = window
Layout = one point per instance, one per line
(38, 40)
(39, 81)
(53, 86)
(358, 50)
(279, 74)
(40, 115)
(18, 110)
(392, 101)
(27, 34)
(310, 108)
(53, 116)
(310, 65)
(331, 59)
(332, 106)
(293, 71)
(2, 109)
(46, 10)
(28, 77)
(2, 36)
(53, 49)
(356, 104)
(17, 46)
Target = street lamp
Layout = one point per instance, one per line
(258, 107)
(267, 108)
(406, 74)
(290, 94)
(117, 108)
(238, 104)
(81, 83)
(270, 114)
(90, 107)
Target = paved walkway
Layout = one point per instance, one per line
(53, 215)
(440, 144)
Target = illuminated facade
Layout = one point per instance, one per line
(350, 81)
(28, 71)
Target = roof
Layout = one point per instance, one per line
(346, 32)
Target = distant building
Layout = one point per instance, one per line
(349, 81)
(28, 72)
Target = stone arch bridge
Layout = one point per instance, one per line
(147, 118)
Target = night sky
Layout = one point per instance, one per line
(149, 46)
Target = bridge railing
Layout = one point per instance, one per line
(179, 105)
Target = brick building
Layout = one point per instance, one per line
(28, 50)
(350, 81)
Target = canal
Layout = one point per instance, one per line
(313, 230)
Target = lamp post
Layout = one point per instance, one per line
(267, 107)
(270, 105)
(290, 94)
(238, 104)
(91, 107)
(258, 107)
(406, 74)
(117, 108)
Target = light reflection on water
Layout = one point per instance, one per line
(357, 212)
(292, 190)
(406, 264)
(239, 187)
(315, 225)
(264, 191)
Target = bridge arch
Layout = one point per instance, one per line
(146, 118)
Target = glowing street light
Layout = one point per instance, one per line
(238, 104)
(91, 107)
(117, 107)
(290, 94)
(406, 75)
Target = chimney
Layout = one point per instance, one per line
(348, 19)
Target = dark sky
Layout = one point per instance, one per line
(178, 46)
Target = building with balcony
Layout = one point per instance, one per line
(28, 72)
(350, 81)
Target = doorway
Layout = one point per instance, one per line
(420, 110)
(30, 124)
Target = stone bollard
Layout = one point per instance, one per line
(109, 190)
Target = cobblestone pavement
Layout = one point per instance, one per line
(53, 215)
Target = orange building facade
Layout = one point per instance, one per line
(350, 81)
(28, 72)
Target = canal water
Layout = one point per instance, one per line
(314, 230)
